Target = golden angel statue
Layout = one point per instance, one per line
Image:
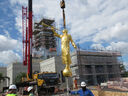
(65, 48)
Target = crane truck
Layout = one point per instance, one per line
(44, 82)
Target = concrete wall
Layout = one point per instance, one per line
(3, 70)
(95, 65)
(10, 72)
(15, 68)
(3, 83)
(36, 64)
(48, 65)
(58, 64)
(54, 64)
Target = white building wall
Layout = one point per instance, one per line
(54, 64)
(15, 68)
(3, 83)
(58, 64)
(18, 68)
(48, 65)
(10, 72)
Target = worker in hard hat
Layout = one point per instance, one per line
(12, 90)
(83, 91)
(30, 90)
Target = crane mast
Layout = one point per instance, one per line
(27, 36)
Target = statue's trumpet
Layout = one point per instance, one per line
(49, 26)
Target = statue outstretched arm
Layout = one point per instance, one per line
(73, 43)
(55, 33)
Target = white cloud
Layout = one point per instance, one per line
(8, 49)
(49, 9)
(99, 21)
(9, 44)
(98, 46)
(8, 57)
(115, 46)
(120, 46)
(118, 32)
(18, 20)
(86, 17)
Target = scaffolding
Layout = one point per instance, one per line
(44, 40)
(96, 67)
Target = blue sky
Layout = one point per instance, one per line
(97, 24)
(7, 19)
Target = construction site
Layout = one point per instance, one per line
(96, 67)
(43, 64)
(99, 69)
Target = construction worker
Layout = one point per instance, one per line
(75, 83)
(31, 91)
(12, 90)
(82, 92)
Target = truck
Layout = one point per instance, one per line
(43, 82)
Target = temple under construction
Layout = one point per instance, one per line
(44, 42)
(96, 67)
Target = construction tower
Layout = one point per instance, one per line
(44, 42)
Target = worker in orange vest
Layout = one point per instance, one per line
(75, 83)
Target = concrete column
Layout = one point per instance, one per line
(94, 75)
(106, 71)
(93, 69)
(95, 80)
(8, 81)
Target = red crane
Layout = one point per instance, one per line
(27, 36)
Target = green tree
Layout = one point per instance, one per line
(124, 72)
(122, 68)
(19, 77)
(1, 77)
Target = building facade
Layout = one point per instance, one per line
(54, 64)
(3, 83)
(15, 68)
(91, 67)
(95, 67)
(44, 41)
